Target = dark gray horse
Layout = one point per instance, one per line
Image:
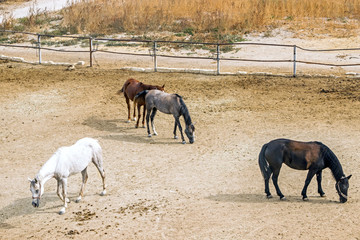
(312, 156)
(169, 104)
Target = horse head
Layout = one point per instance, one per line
(161, 88)
(190, 132)
(36, 191)
(342, 187)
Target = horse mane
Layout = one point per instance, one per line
(332, 162)
(184, 110)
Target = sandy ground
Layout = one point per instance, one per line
(159, 188)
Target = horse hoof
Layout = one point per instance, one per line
(62, 211)
(323, 195)
(305, 199)
(183, 142)
(78, 200)
(155, 133)
(149, 135)
(282, 198)
(103, 193)
(269, 196)
(128, 121)
(136, 126)
(176, 137)
(134, 119)
(143, 126)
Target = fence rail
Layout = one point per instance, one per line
(153, 50)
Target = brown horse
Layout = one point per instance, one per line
(132, 87)
(311, 156)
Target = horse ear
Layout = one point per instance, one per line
(163, 86)
(348, 177)
(30, 180)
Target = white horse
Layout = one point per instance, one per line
(67, 161)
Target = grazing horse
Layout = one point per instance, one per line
(67, 161)
(169, 104)
(312, 156)
(132, 87)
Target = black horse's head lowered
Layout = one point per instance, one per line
(342, 187)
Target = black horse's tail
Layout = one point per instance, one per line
(141, 94)
(263, 164)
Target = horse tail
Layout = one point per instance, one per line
(97, 152)
(141, 94)
(123, 87)
(263, 164)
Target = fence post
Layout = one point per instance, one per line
(155, 60)
(39, 46)
(218, 59)
(91, 51)
(294, 70)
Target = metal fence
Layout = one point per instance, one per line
(153, 50)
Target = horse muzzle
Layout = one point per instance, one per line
(35, 203)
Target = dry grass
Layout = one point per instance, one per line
(206, 16)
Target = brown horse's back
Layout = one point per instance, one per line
(131, 88)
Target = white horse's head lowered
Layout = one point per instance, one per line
(36, 191)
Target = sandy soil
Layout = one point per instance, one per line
(159, 188)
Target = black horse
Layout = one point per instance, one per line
(312, 156)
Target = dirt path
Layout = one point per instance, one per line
(159, 188)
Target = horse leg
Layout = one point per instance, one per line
(84, 180)
(175, 137)
(139, 116)
(267, 189)
(64, 192)
(134, 115)
(143, 120)
(310, 175)
(98, 164)
(128, 106)
(177, 121)
(147, 121)
(319, 178)
(275, 182)
(152, 121)
(58, 191)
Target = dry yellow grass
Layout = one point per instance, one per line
(211, 18)
(202, 16)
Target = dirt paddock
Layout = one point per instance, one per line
(159, 188)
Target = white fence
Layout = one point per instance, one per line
(153, 52)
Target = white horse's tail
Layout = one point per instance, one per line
(97, 159)
(97, 152)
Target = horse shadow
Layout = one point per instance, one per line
(260, 198)
(244, 198)
(105, 125)
(23, 207)
(113, 127)
(140, 139)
